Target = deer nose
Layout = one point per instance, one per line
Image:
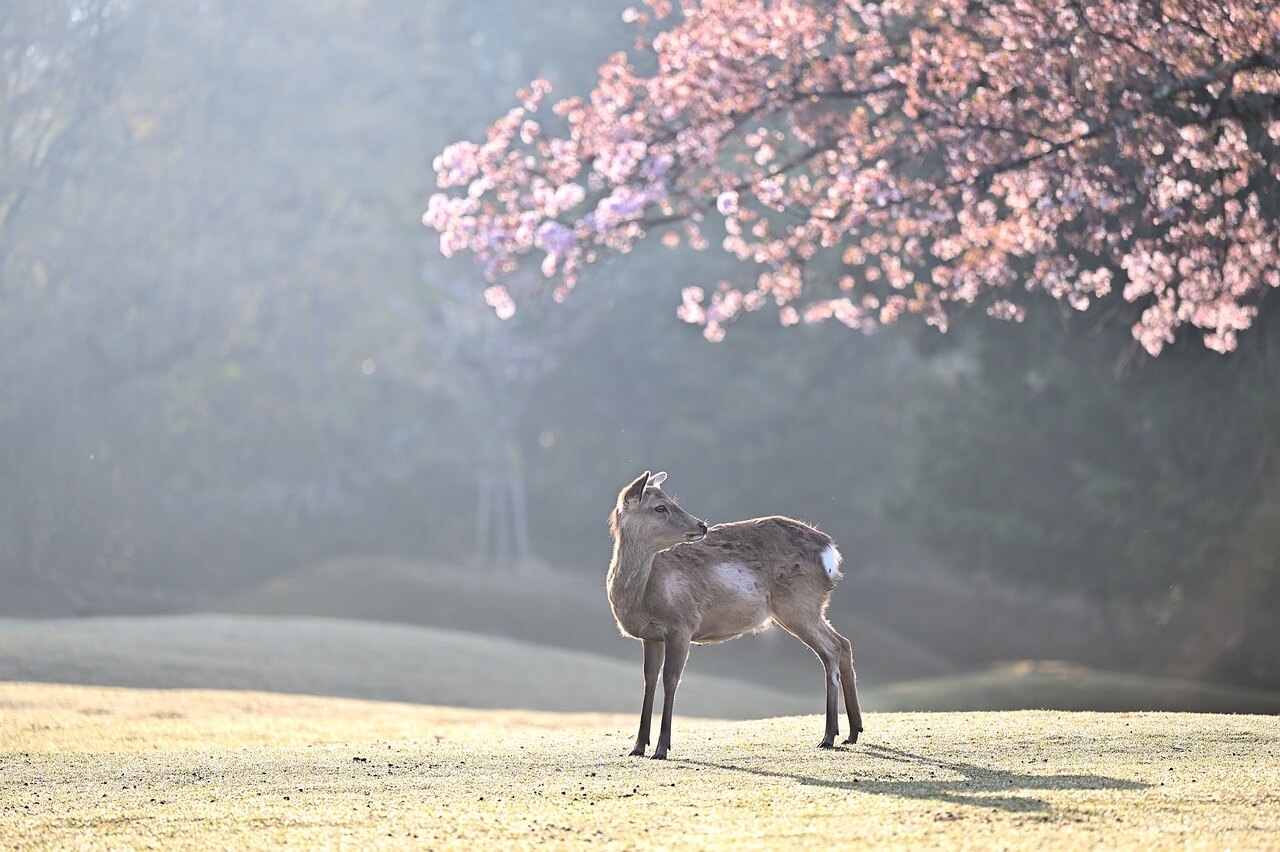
(702, 527)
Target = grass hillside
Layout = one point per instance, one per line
(360, 659)
(1058, 686)
(559, 610)
(356, 659)
(94, 768)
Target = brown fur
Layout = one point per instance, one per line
(669, 591)
(782, 558)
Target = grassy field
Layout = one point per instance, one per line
(359, 659)
(91, 767)
(1032, 685)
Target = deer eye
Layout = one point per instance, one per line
(662, 510)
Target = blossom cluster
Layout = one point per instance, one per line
(865, 160)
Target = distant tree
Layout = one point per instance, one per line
(1045, 456)
(868, 160)
(494, 371)
(60, 65)
(209, 254)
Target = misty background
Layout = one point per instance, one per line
(238, 378)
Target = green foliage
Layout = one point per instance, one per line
(1050, 453)
(771, 421)
(212, 283)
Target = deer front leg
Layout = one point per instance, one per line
(652, 665)
(677, 653)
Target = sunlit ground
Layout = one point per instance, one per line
(91, 767)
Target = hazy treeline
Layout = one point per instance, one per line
(231, 350)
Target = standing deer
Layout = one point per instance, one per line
(673, 582)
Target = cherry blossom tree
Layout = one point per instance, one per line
(863, 160)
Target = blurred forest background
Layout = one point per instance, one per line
(238, 376)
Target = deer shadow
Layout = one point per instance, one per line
(978, 786)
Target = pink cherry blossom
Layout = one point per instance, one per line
(873, 159)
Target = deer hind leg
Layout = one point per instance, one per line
(809, 625)
(849, 680)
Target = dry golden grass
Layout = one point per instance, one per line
(93, 767)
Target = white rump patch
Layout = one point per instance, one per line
(831, 561)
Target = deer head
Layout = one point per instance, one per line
(651, 519)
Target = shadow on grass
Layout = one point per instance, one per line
(978, 786)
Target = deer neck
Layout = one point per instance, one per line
(627, 582)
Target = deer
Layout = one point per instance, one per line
(674, 582)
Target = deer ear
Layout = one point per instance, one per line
(658, 478)
(634, 491)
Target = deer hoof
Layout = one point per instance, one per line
(638, 751)
(826, 744)
(853, 738)
(659, 755)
